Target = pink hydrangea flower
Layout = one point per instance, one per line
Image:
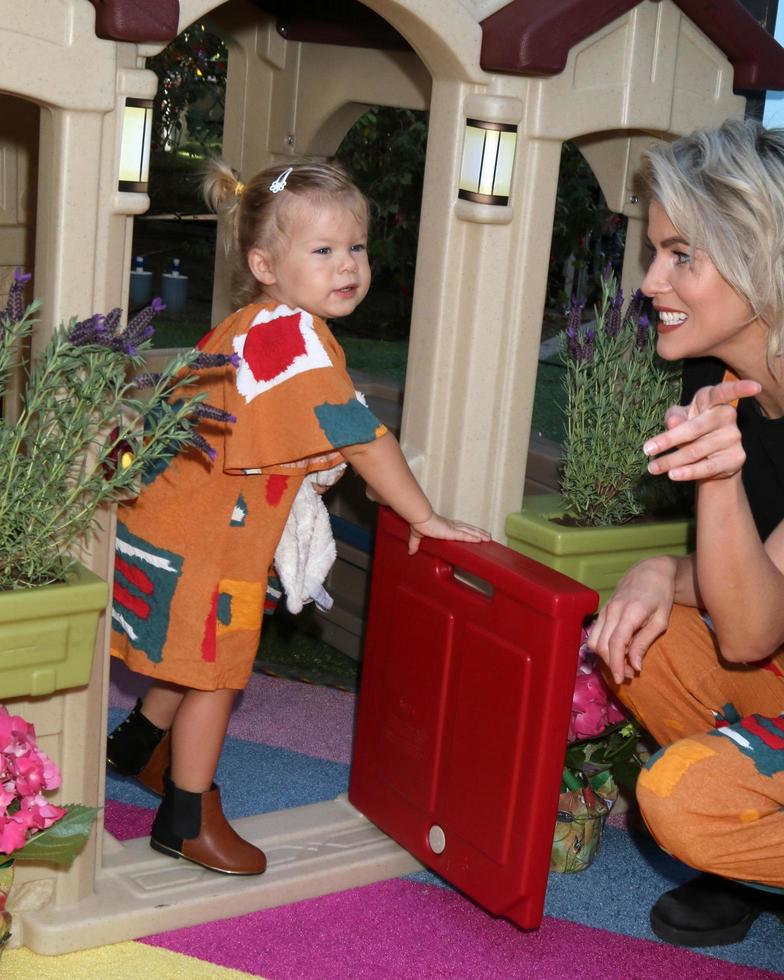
(594, 708)
(25, 771)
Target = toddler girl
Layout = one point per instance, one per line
(195, 549)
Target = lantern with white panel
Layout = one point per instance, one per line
(135, 147)
(487, 166)
(488, 158)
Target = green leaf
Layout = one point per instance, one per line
(61, 842)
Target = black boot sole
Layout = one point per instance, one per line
(724, 936)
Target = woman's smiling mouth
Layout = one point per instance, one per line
(670, 320)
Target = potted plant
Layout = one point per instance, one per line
(604, 757)
(83, 437)
(617, 393)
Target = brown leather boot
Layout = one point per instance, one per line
(152, 774)
(140, 749)
(193, 826)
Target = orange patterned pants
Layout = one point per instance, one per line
(713, 796)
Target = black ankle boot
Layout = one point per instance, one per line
(711, 911)
(140, 749)
(193, 826)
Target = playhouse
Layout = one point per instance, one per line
(610, 76)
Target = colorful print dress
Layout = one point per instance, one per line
(194, 551)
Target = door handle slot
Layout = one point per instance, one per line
(471, 581)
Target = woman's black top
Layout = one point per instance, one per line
(763, 443)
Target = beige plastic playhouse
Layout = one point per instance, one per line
(545, 73)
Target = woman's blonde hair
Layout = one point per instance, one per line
(723, 189)
(259, 217)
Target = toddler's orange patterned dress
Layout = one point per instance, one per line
(195, 549)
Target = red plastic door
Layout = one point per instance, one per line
(467, 684)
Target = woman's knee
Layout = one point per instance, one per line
(680, 792)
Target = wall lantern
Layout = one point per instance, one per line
(488, 158)
(135, 147)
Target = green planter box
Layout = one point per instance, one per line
(47, 635)
(595, 556)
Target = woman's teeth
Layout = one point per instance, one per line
(671, 319)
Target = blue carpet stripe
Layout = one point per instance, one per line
(253, 778)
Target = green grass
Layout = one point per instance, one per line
(179, 330)
(549, 401)
(381, 358)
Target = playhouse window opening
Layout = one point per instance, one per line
(384, 151)
(187, 128)
(586, 237)
(19, 143)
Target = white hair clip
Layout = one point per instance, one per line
(279, 183)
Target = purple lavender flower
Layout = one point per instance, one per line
(200, 443)
(586, 350)
(643, 326)
(573, 323)
(138, 330)
(573, 342)
(634, 308)
(204, 361)
(612, 323)
(113, 320)
(204, 411)
(146, 380)
(91, 331)
(14, 308)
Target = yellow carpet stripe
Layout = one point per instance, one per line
(122, 961)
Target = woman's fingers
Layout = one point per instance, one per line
(726, 393)
(676, 415)
(610, 637)
(686, 432)
(710, 447)
(710, 409)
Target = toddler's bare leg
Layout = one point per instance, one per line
(198, 732)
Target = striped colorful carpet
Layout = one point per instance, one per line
(295, 740)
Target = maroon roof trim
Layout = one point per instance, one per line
(141, 21)
(533, 37)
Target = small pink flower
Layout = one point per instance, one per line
(29, 775)
(13, 833)
(41, 813)
(50, 770)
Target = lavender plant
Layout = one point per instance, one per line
(618, 391)
(84, 436)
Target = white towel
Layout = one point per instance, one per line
(306, 551)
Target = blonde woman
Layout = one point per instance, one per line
(695, 645)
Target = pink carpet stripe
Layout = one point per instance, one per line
(316, 721)
(408, 931)
(125, 821)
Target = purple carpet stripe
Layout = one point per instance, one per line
(126, 821)
(316, 721)
(408, 931)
